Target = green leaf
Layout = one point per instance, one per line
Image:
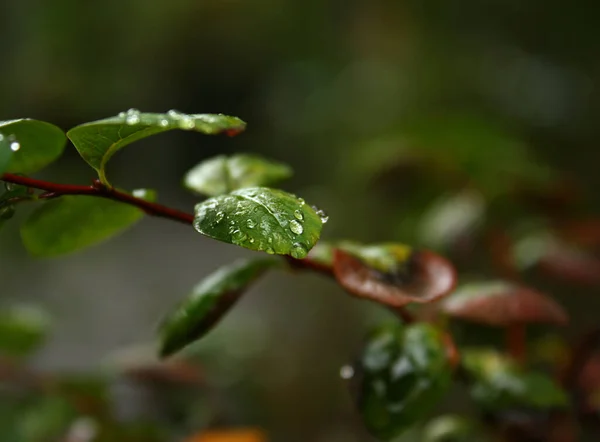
(98, 141)
(23, 329)
(405, 372)
(5, 153)
(452, 428)
(73, 222)
(261, 219)
(221, 174)
(208, 303)
(502, 384)
(35, 144)
(47, 418)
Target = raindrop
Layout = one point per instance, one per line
(133, 116)
(238, 236)
(219, 217)
(14, 146)
(298, 215)
(347, 372)
(163, 122)
(187, 122)
(298, 251)
(321, 213)
(296, 227)
(139, 193)
(174, 114)
(122, 114)
(301, 201)
(251, 240)
(270, 251)
(250, 224)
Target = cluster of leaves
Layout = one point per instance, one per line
(406, 368)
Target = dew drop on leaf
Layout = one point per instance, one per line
(298, 215)
(251, 224)
(219, 217)
(296, 227)
(270, 251)
(299, 251)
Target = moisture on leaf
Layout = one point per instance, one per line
(208, 303)
(23, 329)
(499, 383)
(222, 174)
(34, 144)
(403, 373)
(393, 274)
(74, 222)
(261, 219)
(98, 141)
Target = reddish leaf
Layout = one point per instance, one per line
(241, 435)
(428, 277)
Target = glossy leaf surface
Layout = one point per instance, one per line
(393, 274)
(208, 303)
(98, 141)
(222, 174)
(261, 219)
(73, 222)
(403, 374)
(35, 144)
(502, 384)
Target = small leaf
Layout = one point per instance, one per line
(221, 174)
(74, 222)
(502, 384)
(452, 428)
(35, 144)
(23, 329)
(260, 219)
(501, 303)
(209, 302)
(393, 274)
(98, 141)
(403, 374)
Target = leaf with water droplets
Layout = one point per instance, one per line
(73, 222)
(22, 329)
(500, 383)
(393, 274)
(222, 174)
(208, 303)
(34, 144)
(402, 374)
(260, 219)
(98, 141)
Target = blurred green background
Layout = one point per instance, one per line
(493, 93)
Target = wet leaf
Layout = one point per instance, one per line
(73, 222)
(98, 141)
(501, 303)
(404, 372)
(260, 219)
(452, 428)
(222, 174)
(393, 274)
(35, 144)
(208, 303)
(502, 384)
(23, 329)
(5, 153)
(238, 435)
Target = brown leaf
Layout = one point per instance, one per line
(430, 277)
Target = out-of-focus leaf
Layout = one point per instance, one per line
(222, 174)
(393, 274)
(501, 303)
(209, 302)
(73, 222)
(262, 219)
(403, 373)
(34, 144)
(237, 435)
(46, 419)
(452, 218)
(502, 384)
(98, 141)
(452, 428)
(23, 329)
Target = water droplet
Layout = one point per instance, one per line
(298, 215)
(270, 251)
(187, 122)
(174, 113)
(296, 227)
(14, 146)
(133, 116)
(251, 240)
(299, 251)
(238, 236)
(163, 122)
(219, 217)
(139, 193)
(321, 213)
(250, 223)
(301, 201)
(122, 114)
(347, 372)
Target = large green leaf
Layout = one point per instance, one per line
(23, 328)
(261, 218)
(35, 144)
(70, 223)
(209, 302)
(98, 141)
(500, 384)
(5, 153)
(222, 174)
(405, 372)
